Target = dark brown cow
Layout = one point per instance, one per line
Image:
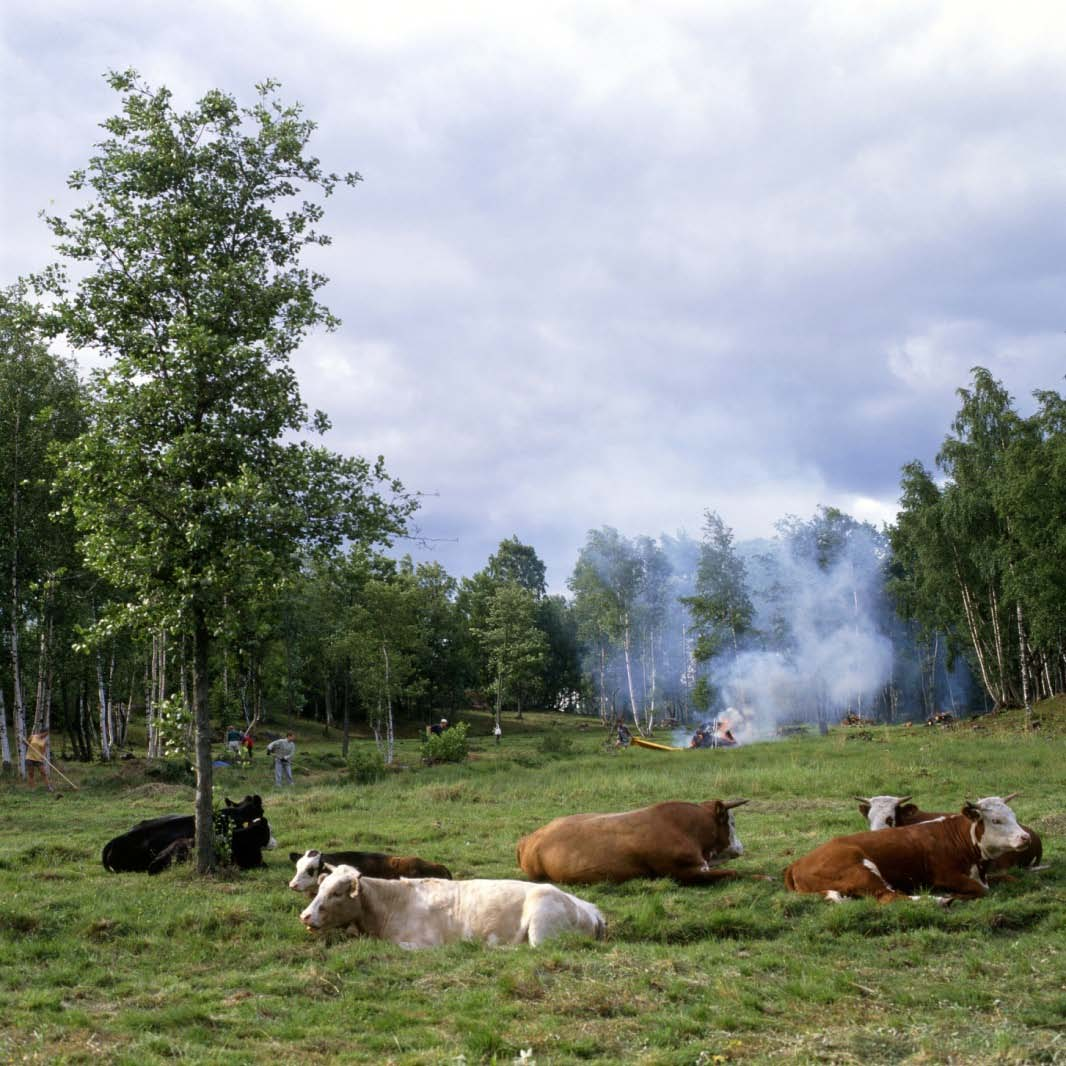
(312, 863)
(883, 812)
(951, 854)
(685, 841)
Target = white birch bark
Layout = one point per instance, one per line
(389, 732)
(5, 745)
(629, 677)
(101, 695)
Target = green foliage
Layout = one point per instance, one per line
(722, 610)
(366, 764)
(979, 557)
(170, 771)
(174, 723)
(224, 828)
(515, 647)
(702, 693)
(191, 489)
(555, 742)
(449, 746)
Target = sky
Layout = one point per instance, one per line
(620, 263)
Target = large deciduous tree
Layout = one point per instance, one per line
(191, 487)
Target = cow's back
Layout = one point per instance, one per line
(497, 912)
(387, 867)
(588, 848)
(135, 850)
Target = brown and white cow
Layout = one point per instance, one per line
(685, 841)
(950, 854)
(422, 913)
(884, 812)
(311, 864)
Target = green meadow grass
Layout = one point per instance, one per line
(125, 968)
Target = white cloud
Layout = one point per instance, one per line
(617, 263)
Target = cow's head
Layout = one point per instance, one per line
(995, 829)
(333, 903)
(883, 812)
(308, 867)
(249, 808)
(730, 846)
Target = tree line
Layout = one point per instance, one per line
(176, 546)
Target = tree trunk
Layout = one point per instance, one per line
(42, 709)
(205, 836)
(347, 714)
(5, 746)
(1023, 665)
(629, 679)
(499, 693)
(18, 710)
(105, 717)
(389, 733)
(603, 681)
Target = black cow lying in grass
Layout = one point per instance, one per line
(152, 845)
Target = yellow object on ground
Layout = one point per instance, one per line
(642, 743)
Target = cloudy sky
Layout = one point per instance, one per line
(618, 263)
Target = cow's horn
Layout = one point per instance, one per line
(1007, 799)
(734, 803)
(861, 799)
(902, 800)
(328, 867)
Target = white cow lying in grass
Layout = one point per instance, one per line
(425, 912)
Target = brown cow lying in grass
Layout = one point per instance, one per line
(312, 863)
(886, 812)
(685, 841)
(950, 854)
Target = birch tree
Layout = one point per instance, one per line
(606, 583)
(39, 408)
(194, 481)
(515, 647)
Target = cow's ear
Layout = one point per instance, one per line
(294, 856)
(322, 877)
(230, 803)
(864, 808)
(905, 810)
(972, 811)
(355, 887)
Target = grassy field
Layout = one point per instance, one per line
(130, 969)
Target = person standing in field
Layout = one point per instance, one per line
(282, 751)
(37, 759)
(497, 733)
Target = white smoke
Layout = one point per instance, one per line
(831, 654)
